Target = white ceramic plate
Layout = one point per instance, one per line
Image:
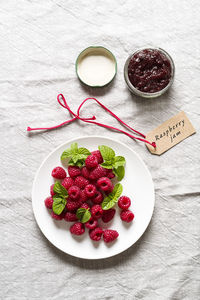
(137, 184)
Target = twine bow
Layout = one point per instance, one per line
(63, 103)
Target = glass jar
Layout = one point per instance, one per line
(136, 91)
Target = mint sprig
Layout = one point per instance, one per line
(112, 198)
(77, 155)
(60, 198)
(83, 215)
(112, 162)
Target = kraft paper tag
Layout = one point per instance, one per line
(170, 133)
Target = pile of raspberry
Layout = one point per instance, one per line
(87, 187)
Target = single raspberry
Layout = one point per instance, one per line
(96, 211)
(82, 197)
(105, 184)
(77, 228)
(98, 155)
(91, 161)
(72, 206)
(110, 174)
(85, 205)
(127, 216)
(70, 217)
(51, 190)
(124, 202)
(81, 182)
(110, 235)
(67, 182)
(97, 173)
(57, 217)
(58, 173)
(74, 171)
(98, 198)
(108, 215)
(96, 234)
(48, 202)
(74, 192)
(91, 224)
(85, 172)
(90, 190)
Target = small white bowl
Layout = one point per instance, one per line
(96, 66)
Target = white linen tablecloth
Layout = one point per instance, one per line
(39, 43)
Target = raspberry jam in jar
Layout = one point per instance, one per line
(149, 72)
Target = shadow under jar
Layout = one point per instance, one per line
(149, 72)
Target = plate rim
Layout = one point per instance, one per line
(70, 141)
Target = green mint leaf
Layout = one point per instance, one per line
(70, 151)
(86, 217)
(112, 198)
(83, 215)
(67, 153)
(60, 190)
(75, 158)
(119, 161)
(107, 153)
(79, 163)
(80, 212)
(74, 148)
(107, 165)
(71, 163)
(58, 204)
(83, 151)
(119, 172)
(81, 154)
(77, 155)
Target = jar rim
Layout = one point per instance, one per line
(92, 49)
